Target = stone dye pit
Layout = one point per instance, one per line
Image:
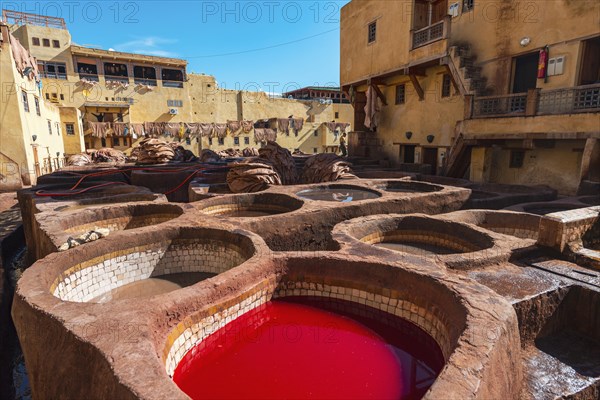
(338, 193)
(190, 258)
(251, 205)
(270, 352)
(456, 244)
(181, 300)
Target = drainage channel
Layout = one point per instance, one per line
(14, 382)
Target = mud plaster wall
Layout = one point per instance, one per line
(558, 167)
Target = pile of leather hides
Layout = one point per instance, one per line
(282, 162)
(252, 175)
(326, 167)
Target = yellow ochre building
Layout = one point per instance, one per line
(493, 91)
(96, 98)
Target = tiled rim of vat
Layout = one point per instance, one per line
(56, 229)
(351, 185)
(479, 324)
(476, 247)
(274, 203)
(200, 249)
(441, 314)
(513, 223)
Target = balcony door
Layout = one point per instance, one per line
(525, 73)
(590, 62)
(427, 12)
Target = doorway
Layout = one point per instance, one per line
(407, 154)
(430, 156)
(36, 160)
(525, 73)
(590, 62)
(360, 101)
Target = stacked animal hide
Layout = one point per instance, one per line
(209, 156)
(78, 160)
(230, 153)
(154, 151)
(326, 167)
(135, 152)
(282, 162)
(181, 153)
(108, 155)
(251, 176)
(250, 152)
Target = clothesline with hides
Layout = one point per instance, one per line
(25, 63)
(336, 127)
(264, 129)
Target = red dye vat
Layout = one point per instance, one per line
(313, 348)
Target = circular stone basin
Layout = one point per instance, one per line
(118, 218)
(250, 205)
(419, 235)
(409, 187)
(153, 286)
(423, 249)
(154, 268)
(338, 193)
(312, 348)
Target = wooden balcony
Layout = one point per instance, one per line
(578, 99)
(23, 18)
(430, 34)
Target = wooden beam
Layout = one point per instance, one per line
(455, 77)
(417, 86)
(380, 94)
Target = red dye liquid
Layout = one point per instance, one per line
(291, 349)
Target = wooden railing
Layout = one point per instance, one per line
(145, 81)
(89, 77)
(53, 75)
(429, 34)
(23, 18)
(571, 100)
(505, 105)
(172, 84)
(115, 78)
(578, 99)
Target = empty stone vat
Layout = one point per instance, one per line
(250, 205)
(202, 252)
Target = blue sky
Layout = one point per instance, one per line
(299, 39)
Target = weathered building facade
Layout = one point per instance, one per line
(495, 91)
(110, 98)
(32, 136)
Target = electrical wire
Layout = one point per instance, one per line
(264, 48)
